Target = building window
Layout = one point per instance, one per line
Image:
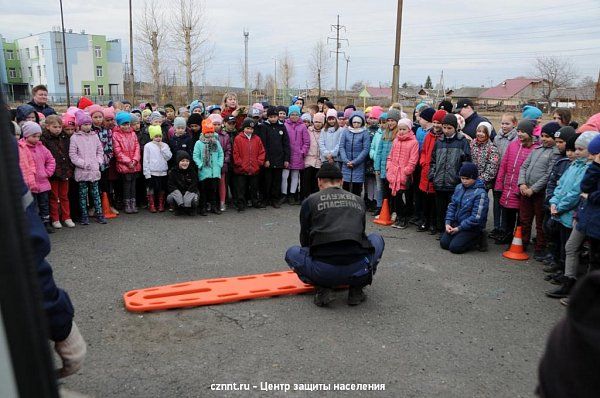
(9, 55)
(100, 89)
(30, 72)
(12, 73)
(98, 51)
(86, 89)
(99, 71)
(27, 52)
(37, 52)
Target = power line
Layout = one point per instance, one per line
(337, 27)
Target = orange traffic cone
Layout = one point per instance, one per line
(384, 216)
(516, 252)
(106, 207)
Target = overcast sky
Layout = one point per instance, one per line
(474, 43)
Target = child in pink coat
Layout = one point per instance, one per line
(399, 168)
(43, 164)
(126, 148)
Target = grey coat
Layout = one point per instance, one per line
(502, 140)
(536, 169)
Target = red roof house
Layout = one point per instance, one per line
(513, 92)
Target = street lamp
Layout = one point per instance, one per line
(62, 21)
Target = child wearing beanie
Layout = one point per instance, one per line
(564, 204)
(400, 166)
(277, 156)
(85, 151)
(42, 165)
(467, 213)
(485, 154)
(533, 177)
(425, 185)
(180, 139)
(372, 185)
(209, 159)
(355, 143)
(225, 142)
(156, 156)
(248, 158)
(58, 143)
(448, 155)
(312, 161)
(127, 153)
(508, 178)
(299, 146)
(183, 185)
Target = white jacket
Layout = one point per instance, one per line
(155, 159)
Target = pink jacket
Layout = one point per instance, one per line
(507, 180)
(313, 157)
(401, 162)
(87, 155)
(126, 148)
(44, 165)
(27, 165)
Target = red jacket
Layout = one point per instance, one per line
(425, 161)
(248, 154)
(126, 148)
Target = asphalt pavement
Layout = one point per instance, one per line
(434, 324)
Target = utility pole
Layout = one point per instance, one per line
(275, 83)
(64, 42)
(131, 76)
(337, 27)
(155, 65)
(246, 36)
(396, 76)
(346, 79)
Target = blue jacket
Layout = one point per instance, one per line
(566, 194)
(420, 134)
(375, 140)
(558, 170)
(588, 213)
(216, 161)
(383, 151)
(354, 147)
(468, 208)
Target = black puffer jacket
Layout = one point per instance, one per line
(447, 157)
(183, 180)
(276, 141)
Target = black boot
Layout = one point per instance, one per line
(552, 267)
(323, 296)
(564, 290)
(356, 294)
(482, 246)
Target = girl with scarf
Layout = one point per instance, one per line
(208, 156)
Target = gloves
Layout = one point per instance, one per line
(71, 351)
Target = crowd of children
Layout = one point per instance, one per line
(95, 159)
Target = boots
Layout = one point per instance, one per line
(356, 294)
(215, 209)
(401, 223)
(482, 245)
(151, 205)
(323, 296)
(127, 203)
(133, 206)
(564, 290)
(161, 202)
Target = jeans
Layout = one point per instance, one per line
(319, 273)
(43, 202)
(572, 250)
(460, 242)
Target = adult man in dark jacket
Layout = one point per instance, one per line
(466, 109)
(334, 248)
(276, 141)
(40, 100)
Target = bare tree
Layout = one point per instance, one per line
(269, 85)
(151, 36)
(191, 39)
(358, 86)
(318, 63)
(286, 70)
(556, 73)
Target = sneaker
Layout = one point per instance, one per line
(275, 204)
(115, 211)
(49, 228)
(401, 223)
(551, 268)
(494, 233)
(69, 223)
(540, 255)
(56, 225)
(565, 301)
(564, 290)
(85, 220)
(323, 296)
(356, 295)
(100, 219)
(223, 207)
(422, 228)
(377, 211)
(394, 216)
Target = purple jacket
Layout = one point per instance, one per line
(44, 165)
(299, 143)
(226, 145)
(87, 155)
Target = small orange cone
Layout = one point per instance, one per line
(516, 252)
(106, 207)
(384, 216)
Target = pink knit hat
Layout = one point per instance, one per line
(406, 122)
(109, 113)
(258, 106)
(215, 118)
(348, 112)
(68, 120)
(93, 109)
(319, 117)
(376, 112)
(331, 113)
(82, 118)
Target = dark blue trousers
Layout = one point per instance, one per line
(460, 242)
(319, 273)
